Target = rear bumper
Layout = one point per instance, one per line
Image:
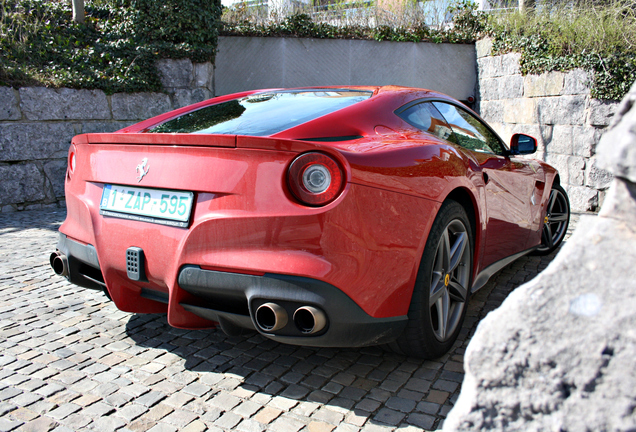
(83, 266)
(232, 300)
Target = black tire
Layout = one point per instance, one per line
(556, 221)
(428, 333)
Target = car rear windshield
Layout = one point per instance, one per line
(262, 114)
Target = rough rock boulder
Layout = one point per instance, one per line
(560, 352)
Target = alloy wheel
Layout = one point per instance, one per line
(556, 220)
(449, 280)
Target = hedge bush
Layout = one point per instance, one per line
(114, 50)
(599, 37)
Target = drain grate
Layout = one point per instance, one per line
(135, 264)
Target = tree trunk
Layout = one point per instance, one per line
(78, 11)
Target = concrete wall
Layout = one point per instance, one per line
(556, 108)
(244, 63)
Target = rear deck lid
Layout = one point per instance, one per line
(171, 139)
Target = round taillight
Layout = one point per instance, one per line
(315, 179)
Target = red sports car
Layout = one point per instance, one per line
(316, 216)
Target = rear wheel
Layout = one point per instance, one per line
(556, 221)
(442, 287)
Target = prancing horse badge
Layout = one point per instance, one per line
(142, 169)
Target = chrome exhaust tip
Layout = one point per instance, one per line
(59, 263)
(270, 317)
(309, 320)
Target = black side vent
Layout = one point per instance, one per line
(333, 139)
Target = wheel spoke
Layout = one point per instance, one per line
(442, 306)
(456, 291)
(436, 280)
(552, 200)
(547, 235)
(446, 251)
(436, 294)
(558, 217)
(457, 251)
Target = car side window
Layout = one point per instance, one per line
(425, 116)
(469, 131)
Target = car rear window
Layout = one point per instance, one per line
(262, 114)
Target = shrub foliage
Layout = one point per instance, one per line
(114, 50)
(599, 37)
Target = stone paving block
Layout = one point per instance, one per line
(315, 426)
(150, 399)
(436, 396)
(228, 420)
(180, 418)
(26, 399)
(64, 411)
(196, 389)
(400, 404)
(423, 421)
(357, 417)
(178, 400)
(9, 393)
(328, 415)
(118, 399)
(448, 386)
(224, 401)
(41, 424)
(295, 392)
(24, 414)
(158, 412)
(256, 384)
(6, 407)
(287, 424)
(195, 426)
(346, 428)
(9, 425)
(389, 416)
(428, 407)
(107, 424)
(267, 415)
(77, 421)
(247, 409)
(250, 426)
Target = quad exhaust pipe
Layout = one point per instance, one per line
(309, 320)
(271, 317)
(59, 263)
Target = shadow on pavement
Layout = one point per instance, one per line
(364, 385)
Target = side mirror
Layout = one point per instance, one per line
(521, 144)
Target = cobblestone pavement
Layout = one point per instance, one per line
(71, 361)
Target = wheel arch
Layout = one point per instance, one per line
(469, 202)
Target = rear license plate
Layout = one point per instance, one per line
(160, 206)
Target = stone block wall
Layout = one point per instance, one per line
(556, 109)
(38, 123)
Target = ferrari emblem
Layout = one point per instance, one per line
(142, 169)
(447, 279)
